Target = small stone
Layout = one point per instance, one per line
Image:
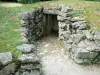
(81, 53)
(76, 38)
(89, 46)
(31, 66)
(81, 25)
(33, 72)
(61, 18)
(24, 22)
(74, 19)
(97, 35)
(5, 58)
(10, 68)
(23, 39)
(93, 54)
(51, 10)
(26, 48)
(22, 29)
(88, 35)
(65, 14)
(24, 15)
(28, 58)
(65, 8)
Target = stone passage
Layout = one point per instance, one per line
(78, 39)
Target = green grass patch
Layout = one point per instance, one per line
(8, 37)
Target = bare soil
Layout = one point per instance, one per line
(10, 4)
(55, 62)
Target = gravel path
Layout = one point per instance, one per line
(55, 62)
(10, 4)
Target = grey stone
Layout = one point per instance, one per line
(65, 14)
(24, 39)
(10, 68)
(23, 34)
(69, 41)
(37, 19)
(82, 61)
(24, 15)
(51, 10)
(80, 25)
(17, 73)
(26, 48)
(66, 35)
(22, 29)
(89, 46)
(31, 66)
(97, 35)
(74, 19)
(61, 18)
(81, 53)
(84, 26)
(92, 55)
(62, 24)
(67, 47)
(65, 8)
(28, 58)
(24, 22)
(76, 38)
(88, 35)
(33, 72)
(5, 58)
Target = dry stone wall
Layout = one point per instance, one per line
(32, 24)
(75, 33)
(27, 64)
(7, 66)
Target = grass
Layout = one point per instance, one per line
(8, 37)
(9, 20)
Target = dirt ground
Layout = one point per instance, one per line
(10, 4)
(55, 62)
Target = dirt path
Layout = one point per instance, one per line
(55, 62)
(10, 4)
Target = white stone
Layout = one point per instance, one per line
(28, 58)
(5, 58)
(26, 48)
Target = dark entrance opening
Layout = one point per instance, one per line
(50, 25)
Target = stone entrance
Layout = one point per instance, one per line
(74, 32)
(79, 41)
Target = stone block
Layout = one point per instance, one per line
(65, 8)
(28, 58)
(5, 58)
(8, 69)
(31, 66)
(75, 19)
(26, 48)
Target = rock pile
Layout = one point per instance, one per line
(7, 66)
(30, 64)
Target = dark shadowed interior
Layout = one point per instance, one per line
(50, 25)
